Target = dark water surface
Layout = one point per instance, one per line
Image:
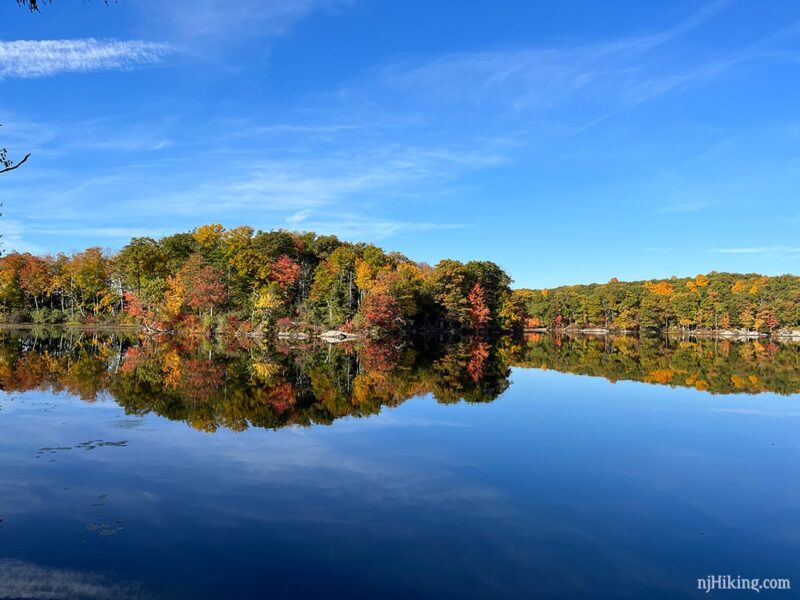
(190, 470)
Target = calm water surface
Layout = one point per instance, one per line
(550, 467)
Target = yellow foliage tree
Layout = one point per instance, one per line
(208, 236)
(268, 300)
(175, 296)
(662, 288)
(365, 276)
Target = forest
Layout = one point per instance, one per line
(242, 281)
(705, 303)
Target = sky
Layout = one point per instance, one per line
(569, 142)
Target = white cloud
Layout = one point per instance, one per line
(40, 58)
(299, 217)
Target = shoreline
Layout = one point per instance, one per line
(701, 333)
(338, 336)
(75, 326)
(331, 336)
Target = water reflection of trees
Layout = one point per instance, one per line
(225, 384)
(719, 366)
(215, 384)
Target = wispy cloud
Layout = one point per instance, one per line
(289, 186)
(356, 227)
(601, 77)
(343, 191)
(231, 21)
(365, 173)
(94, 233)
(288, 131)
(298, 217)
(682, 207)
(777, 250)
(40, 58)
(13, 238)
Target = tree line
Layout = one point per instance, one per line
(712, 302)
(217, 279)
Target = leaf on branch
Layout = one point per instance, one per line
(8, 165)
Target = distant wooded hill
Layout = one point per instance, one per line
(717, 301)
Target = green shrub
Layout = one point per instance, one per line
(57, 316)
(40, 316)
(14, 317)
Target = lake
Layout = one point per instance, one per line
(514, 468)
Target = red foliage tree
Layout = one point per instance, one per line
(382, 311)
(478, 311)
(285, 272)
(204, 288)
(133, 305)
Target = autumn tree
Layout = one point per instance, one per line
(479, 314)
(140, 263)
(453, 282)
(86, 281)
(200, 284)
(34, 278)
(335, 286)
(382, 311)
(285, 272)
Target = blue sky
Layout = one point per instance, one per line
(567, 141)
